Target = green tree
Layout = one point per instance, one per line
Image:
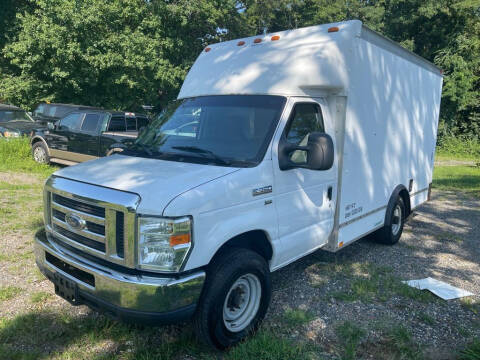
(442, 31)
(276, 15)
(116, 54)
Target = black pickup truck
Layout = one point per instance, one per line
(85, 135)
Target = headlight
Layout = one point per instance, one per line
(11, 134)
(163, 243)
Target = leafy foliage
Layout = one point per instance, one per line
(121, 54)
(115, 54)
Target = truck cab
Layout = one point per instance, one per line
(277, 145)
(86, 134)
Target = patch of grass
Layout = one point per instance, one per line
(427, 319)
(458, 148)
(8, 292)
(402, 344)
(412, 293)
(16, 156)
(8, 186)
(7, 352)
(39, 297)
(449, 237)
(472, 352)
(464, 332)
(369, 283)
(471, 305)
(349, 336)
(297, 317)
(463, 178)
(21, 211)
(266, 346)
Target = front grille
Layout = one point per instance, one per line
(95, 228)
(92, 219)
(80, 239)
(98, 229)
(79, 206)
(120, 233)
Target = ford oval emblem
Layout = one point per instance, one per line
(75, 221)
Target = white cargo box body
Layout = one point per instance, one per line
(383, 100)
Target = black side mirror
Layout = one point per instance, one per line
(319, 153)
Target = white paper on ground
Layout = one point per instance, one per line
(439, 288)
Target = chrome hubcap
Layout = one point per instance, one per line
(39, 155)
(242, 303)
(396, 220)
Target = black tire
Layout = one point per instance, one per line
(40, 153)
(226, 270)
(390, 233)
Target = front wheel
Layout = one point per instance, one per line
(40, 153)
(235, 298)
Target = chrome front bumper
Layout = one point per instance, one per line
(125, 293)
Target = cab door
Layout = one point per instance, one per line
(86, 144)
(61, 139)
(304, 198)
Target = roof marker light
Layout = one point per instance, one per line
(275, 37)
(207, 49)
(257, 40)
(240, 43)
(333, 29)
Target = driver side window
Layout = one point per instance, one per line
(71, 122)
(305, 119)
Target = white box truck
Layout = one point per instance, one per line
(277, 146)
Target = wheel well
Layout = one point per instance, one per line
(37, 140)
(406, 200)
(255, 240)
(34, 141)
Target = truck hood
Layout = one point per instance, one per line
(157, 182)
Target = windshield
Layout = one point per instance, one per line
(15, 115)
(228, 130)
(51, 110)
(40, 110)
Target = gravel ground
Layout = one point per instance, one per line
(441, 241)
(452, 162)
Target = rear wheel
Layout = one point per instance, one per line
(392, 231)
(40, 153)
(235, 298)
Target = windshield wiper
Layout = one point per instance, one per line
(195, 149)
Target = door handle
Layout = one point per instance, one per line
(330, 193)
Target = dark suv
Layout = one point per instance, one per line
(46, 113)
(85, 135)
(15, 122)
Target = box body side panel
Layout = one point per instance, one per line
(390, 136)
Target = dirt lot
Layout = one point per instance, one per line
(349, 305)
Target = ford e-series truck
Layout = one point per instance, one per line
(278, 145)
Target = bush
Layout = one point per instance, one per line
(458, 147)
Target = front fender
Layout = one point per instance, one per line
(227, 207)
